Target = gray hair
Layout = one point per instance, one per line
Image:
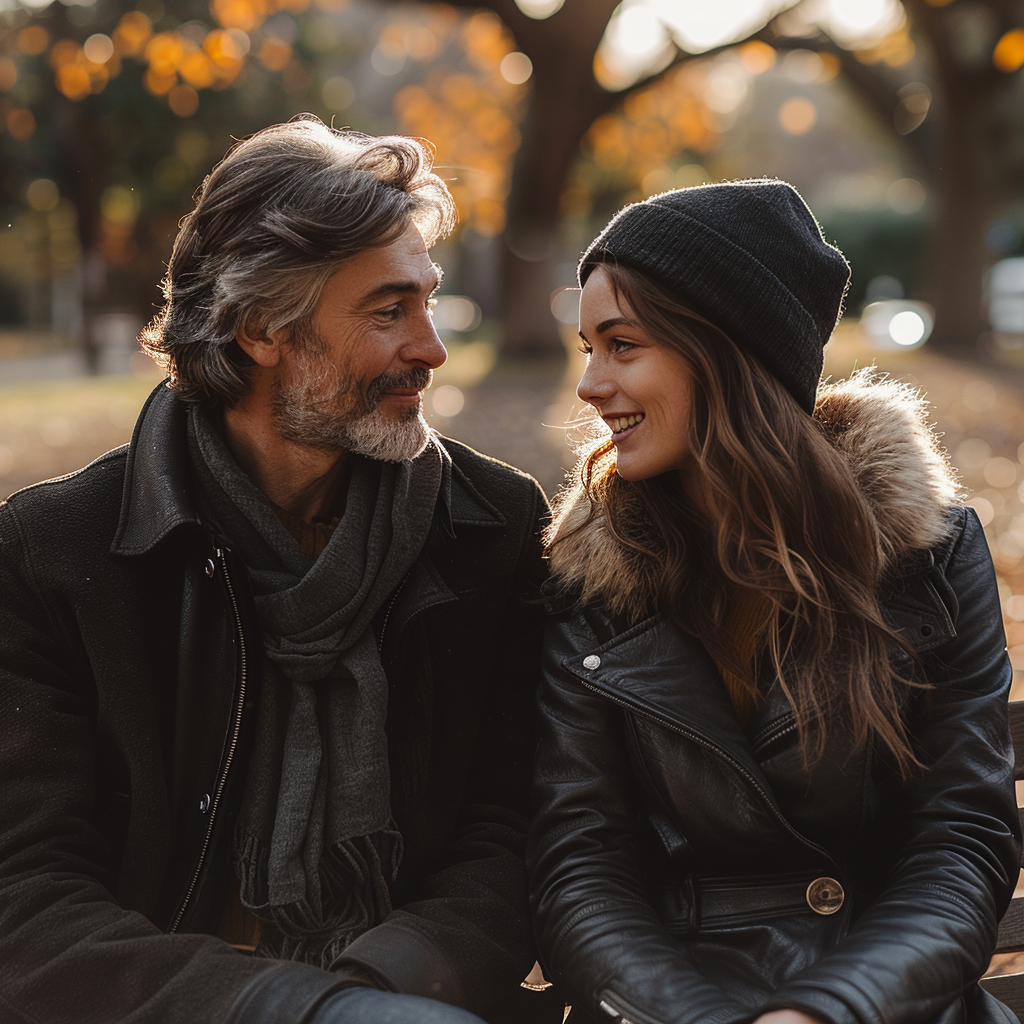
(272, 222)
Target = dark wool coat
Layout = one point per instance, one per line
(128, 688)
(689, 870)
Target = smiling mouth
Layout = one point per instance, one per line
(621, 424)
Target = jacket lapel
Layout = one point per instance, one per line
(655, 669)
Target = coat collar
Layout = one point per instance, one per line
(879, 426)
(157, 490)
(658, 671)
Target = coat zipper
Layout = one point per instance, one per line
(387, 614)
(236, 729)
(724, 754)
(776, 733)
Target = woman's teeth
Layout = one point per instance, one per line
(621, 423)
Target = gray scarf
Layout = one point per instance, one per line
(316, 844)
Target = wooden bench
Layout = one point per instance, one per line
(1010, 987)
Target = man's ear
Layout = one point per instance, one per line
(262, 348)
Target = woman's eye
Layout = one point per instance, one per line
(621, 345)
(585, 348)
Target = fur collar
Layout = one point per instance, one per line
(878, 425)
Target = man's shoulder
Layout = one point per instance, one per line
(84, 498)
(495, 479)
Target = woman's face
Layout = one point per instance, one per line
(640, 388)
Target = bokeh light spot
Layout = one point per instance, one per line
(183, 100)
(907, 328)
(447, 400)
(338, 93)
(98, 48)
(32, 40)
(516, 68)
(21, 123)
(42, 195)
(1008, 54)
(8, 74)
(798, 115)
(539, 9)
(984, 508)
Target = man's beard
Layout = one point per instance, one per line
(323, 408)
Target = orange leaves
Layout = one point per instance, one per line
(470, 112)
(77, 76)
(654, 125)
(245, 15)
(275, 53)
(486, 40)
(178, 66)
(165, 52)
(8, 74)
(132, 33)
(32, 40)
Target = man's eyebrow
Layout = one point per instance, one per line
(401, 287)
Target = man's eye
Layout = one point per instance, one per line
(390, 312)
(431, 306)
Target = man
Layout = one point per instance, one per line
(266, 674)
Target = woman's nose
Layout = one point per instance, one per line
(593, 387)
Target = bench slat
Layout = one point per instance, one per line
(1011, 928)
(1017, 733)
(1009, 988)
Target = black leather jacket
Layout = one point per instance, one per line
(674, 851)
(128, 683)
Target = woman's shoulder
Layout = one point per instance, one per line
(883, 430)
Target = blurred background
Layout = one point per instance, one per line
(902, 123)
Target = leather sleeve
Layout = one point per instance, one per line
(69, 951)
(929, 935)
(600, 939)
(464, 934)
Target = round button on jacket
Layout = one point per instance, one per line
(591, 661)
(825, 896)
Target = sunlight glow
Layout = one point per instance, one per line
(857, 22)
(539, 9)
(701, 26)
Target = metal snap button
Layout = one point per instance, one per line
(204, 803)
(591, 661)
(210, 568)
(825, 896)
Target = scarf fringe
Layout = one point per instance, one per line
(353, 880)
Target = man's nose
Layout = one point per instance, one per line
(426, 348)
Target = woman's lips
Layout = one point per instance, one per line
(622, 426)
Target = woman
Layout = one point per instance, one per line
(774, 775)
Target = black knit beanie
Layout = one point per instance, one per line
(748, 256)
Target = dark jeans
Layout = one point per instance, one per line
(370, 1006)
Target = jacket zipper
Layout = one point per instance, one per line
(721, 752)
(387, 614)
(615, 1006)
(236, 729)
(772, 735)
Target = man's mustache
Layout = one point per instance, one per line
(419, 377)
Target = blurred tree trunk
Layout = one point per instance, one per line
(966, 153)
(565, 100)
(975, 168)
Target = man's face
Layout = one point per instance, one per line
(353, 377)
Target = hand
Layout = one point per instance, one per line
(786, 1017)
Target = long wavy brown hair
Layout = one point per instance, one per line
(779, 513)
